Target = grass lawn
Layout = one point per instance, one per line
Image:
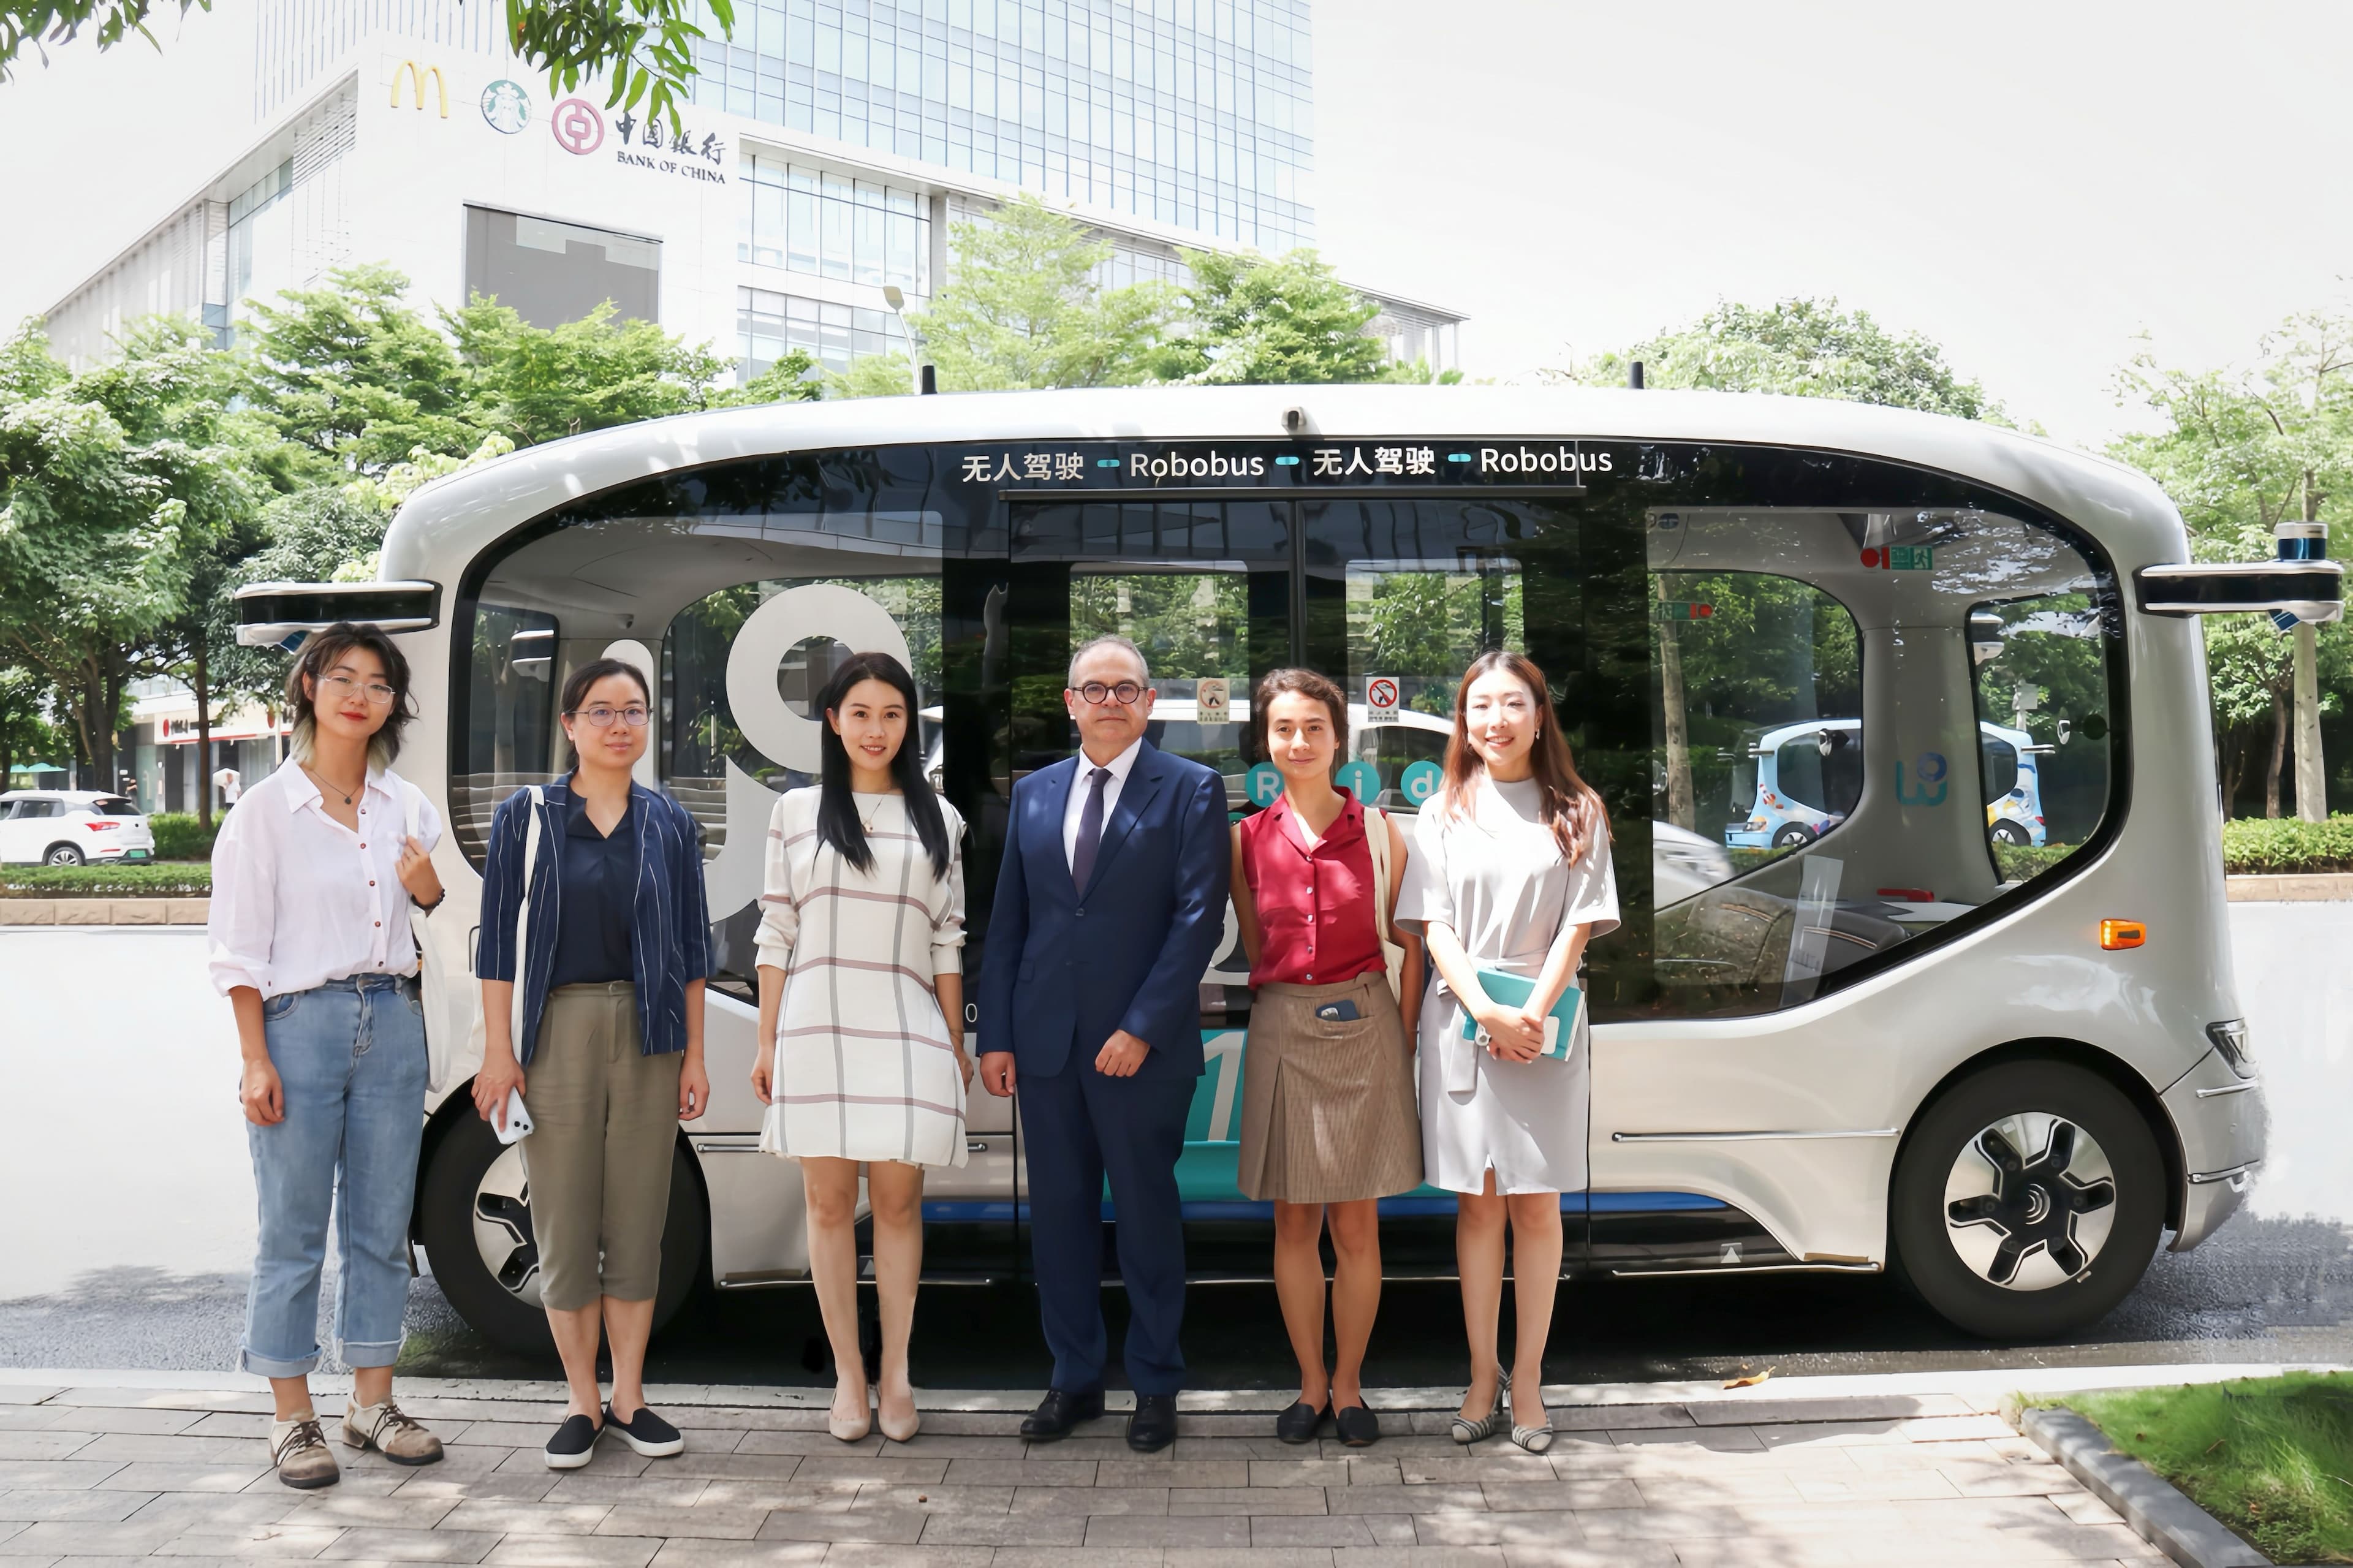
(2272, 1457)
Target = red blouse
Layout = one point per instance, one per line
(1315, 906)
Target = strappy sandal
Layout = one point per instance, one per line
(1466, 1430)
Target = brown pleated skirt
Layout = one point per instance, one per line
(1328, 1107)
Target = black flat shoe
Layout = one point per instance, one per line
(1059, 1412)
(1154, 1425)
(574, 1443)
(1298, 1424)
(646, 1432)
(1359, 1427)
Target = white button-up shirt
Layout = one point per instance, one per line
(1084, 785)
(298, 899)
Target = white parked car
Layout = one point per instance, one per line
(71, 827)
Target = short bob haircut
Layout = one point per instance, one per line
(1309, 684)
(320, 653)
(575, 692)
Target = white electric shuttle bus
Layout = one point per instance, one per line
(2008, 1071)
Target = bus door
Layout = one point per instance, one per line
(1205, 588)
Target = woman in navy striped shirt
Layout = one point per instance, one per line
(612, 972)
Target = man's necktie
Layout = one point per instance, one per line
(1082, 853)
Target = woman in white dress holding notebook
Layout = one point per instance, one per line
(861, 1015)
(1510, 871)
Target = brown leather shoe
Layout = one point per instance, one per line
(383, 1429)
(299, 1451)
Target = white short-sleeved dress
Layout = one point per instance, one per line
(864, 1070)
(1496, 876)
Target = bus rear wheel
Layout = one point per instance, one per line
(2010, 832)
(2028, 1201)
(475, 1221)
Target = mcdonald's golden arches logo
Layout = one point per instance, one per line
(416, 75)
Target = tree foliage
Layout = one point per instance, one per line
(1270, 320)
(1799, 348)
(1026, 307)
(2239, 451)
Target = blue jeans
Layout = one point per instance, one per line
(351, 1058)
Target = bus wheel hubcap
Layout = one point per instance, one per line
(503, 1230)
(2030, 1201)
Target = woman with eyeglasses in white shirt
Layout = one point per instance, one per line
(313, 881)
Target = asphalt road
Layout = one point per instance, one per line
(128, 1226)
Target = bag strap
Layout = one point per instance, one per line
(523, 916)
(1376, 844)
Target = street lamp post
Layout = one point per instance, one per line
(897, 300)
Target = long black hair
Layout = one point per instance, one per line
(838, 822)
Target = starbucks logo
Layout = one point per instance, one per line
(506, 106)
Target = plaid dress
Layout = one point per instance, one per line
(864, 1070)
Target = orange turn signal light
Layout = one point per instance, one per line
(2115, 935)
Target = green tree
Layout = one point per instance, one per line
(1271, 320)
(25, 732)
(351, 375)
(1027, 308)
(1799, 348)
(875, 375)
(2240, 452)
(791, 379)
(535, 384)
(115, 487)
(646, 48)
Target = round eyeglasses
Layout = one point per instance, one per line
(601, 717)
(1126, 693)
(342, 686)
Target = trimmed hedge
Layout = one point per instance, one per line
(143, 881)
(179, 836)
(2258, 846)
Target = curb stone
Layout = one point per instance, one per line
(2162, 1516)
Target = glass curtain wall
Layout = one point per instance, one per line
(1197, 114)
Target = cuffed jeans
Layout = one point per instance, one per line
(350, 1056)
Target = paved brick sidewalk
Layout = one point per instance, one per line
(92, 1474)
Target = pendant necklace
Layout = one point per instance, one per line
(320, 780)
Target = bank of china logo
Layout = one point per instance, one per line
(578, 128)
(506, 106)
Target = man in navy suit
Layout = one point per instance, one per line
(1109, 904)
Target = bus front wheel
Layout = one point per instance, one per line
(476, 1223)
(2028, 1201)
(1793, 835)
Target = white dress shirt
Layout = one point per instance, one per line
(1084, 785)
(298, 899)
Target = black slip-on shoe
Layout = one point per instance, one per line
(1059, 1412)
(574, 1443)
(1298, 1424)
(1359, 1427)
(1154, 1425)
(646, 1432)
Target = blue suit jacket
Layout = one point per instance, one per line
(1066, 967)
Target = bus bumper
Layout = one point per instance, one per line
(2224, 1123)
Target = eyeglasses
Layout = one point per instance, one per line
(1126, 693)
(341, 687)
(601, 717)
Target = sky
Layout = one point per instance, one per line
(2031, 186)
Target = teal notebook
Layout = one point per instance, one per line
(1512, 990)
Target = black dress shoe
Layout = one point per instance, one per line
(1154, 1425)
(1359, 1427)
(1059, 1412)
(1298, 1424)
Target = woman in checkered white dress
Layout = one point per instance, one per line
(862, 1012)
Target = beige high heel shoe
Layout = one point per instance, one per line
(899, 1434)
(850, 1431)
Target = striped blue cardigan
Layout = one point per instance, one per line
(670, 934)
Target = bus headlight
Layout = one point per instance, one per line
(2229, 1037)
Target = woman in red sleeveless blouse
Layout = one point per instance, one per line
(1329, 1124)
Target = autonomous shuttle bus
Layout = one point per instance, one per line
(1903, 1041)
(1802, 779)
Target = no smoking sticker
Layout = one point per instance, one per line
(1381, 700)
